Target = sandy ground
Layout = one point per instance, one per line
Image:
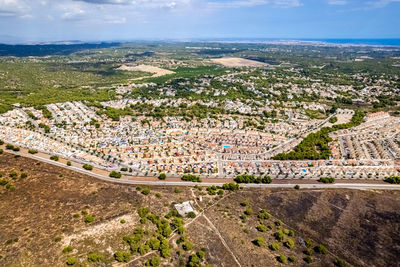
(238, 62)
(147, 68)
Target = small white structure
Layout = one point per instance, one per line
(184, 208)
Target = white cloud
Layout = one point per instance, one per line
(13, 8)
(251, 3)
(337, 2)
(382, 3)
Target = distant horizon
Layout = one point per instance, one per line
(304, 41)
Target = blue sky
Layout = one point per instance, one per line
(93, 20)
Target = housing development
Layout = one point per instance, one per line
(200, 154)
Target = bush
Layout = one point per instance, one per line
(87, 167)
(71, 261)
(95, 257)
(124, 169)
(9, 147)
(333, 119)
(187, 246)
(191, 215)
(281, 258)
(32, 151)
(326, 180)
(279, 235)
(1, 151)
(13, 174)
(308, 259)
(69, 163)
(67, 249)
(259, 241)
(89, 218)
(393, 180)
(146, 191)
(339, 263)
(115, 174)
(122, 221)
(308, 252)
(261, 228)
(154, 261)
(292, 258)
(297, 187)
(54, 157)
(248, 212)
(250, 179)
(289, 243)
(263, 214)
(162, 176)
(122, 256)
(321, 249)
(230, 186)
(309, 242)
(24, 175)
(274, 246)
(192, 178)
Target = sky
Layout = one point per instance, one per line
(118, 20)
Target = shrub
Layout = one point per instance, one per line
(9, 147)
(333, 119)
(327, 180)
(143, 249)
(23, 175)
(248, 212)
(339, 263)
(274, 246)
(230, 186)
(69, 163)
(3, 182)
(67, 249)
(191, 215)
(263, 214)
(292, 258)
(278, 223)
(122, 256)
(281, 258)
(122, 221)
(154, 261)
(309, 242)
(187, 246)
(321, 249)
(89, 218)
(32, 151)
(261, 228)
(279, 235)
(297, 187)
(146, 191)
(71, 261)
(308, 252)
(289, 243)
(87, 167)
(259, 241)
(54, 157)
(250, 179)
(57, 239)
(162, 176)
(124, 169)
(95, 257)
(1, 151)
(13, 174)
(393, 180)
(308, 259)
(115, 174)
(192, 178)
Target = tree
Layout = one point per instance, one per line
(308, 259)
(95, 257)
(339, 263)
(122, 256)
(115, 174)
(393, 180)
(87, 167)
(69, 163)
(321, 249)
(261, 228)
(162, 176)
(154, 261)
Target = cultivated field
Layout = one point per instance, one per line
(233, 62)
(147, 68)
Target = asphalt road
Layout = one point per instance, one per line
(346, 185)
